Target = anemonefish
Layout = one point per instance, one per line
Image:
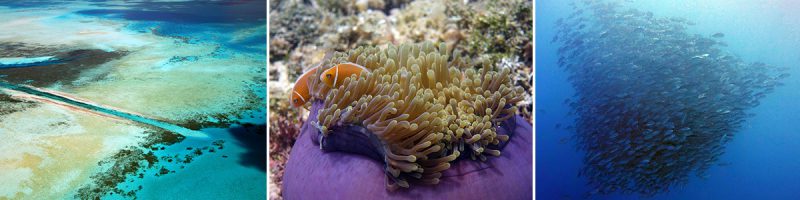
(300, 93)
(334, 76)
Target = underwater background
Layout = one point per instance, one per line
(758, 162)
(302, 32)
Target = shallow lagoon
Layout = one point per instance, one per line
(193, 65)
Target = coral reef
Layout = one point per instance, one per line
(148, 67)
(500, 30)
(425, 109)
(284, 129)
(285, 33)
(285, 123)
(123, 163)
(126, 163)
(139, 161)
(350, 7)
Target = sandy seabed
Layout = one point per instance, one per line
(47, 151)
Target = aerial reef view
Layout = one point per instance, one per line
(388, 99)
(121, 100)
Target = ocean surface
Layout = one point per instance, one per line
(758, 162)
(108, 77)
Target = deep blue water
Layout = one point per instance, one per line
(761, 160)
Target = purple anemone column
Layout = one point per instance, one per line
(312, 173)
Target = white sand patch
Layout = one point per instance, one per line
(146, 82)
(67, 178)
(59, 27)
(49, 116)
(22, 60)
(50, 150)
(14, 181)
(152, 79)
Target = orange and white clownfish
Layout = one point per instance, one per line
(300, 93)
(335, 76)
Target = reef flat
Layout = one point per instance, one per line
(199, 72)
(49, 150)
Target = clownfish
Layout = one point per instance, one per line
(300, 93)
(334, 76)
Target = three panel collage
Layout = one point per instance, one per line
(399, 99)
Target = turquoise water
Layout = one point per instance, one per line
(236, 171)
(103, 110)
(27, 62)
(232, 159)
(759, 162)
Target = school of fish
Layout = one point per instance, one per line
(654, 103)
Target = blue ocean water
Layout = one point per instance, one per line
(760, 161)
(238, 28)
(240, 173)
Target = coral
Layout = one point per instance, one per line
(501, 32)
(368, 28)
(495, 29)
(425, 111)
(523, 77)
(349, 7)
(283, 133)
(284, 129)
(125, 164)
(421, 21)
(418, 21)
(291, 26)
(486, 31)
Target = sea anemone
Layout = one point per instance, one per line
(417, 109)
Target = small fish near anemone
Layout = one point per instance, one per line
(300, 93)
(417, 110)
(331, 76)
